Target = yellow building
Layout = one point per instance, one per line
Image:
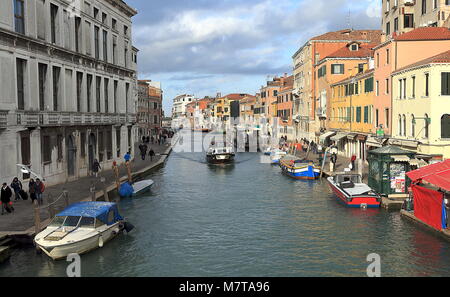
(351, 109)
(421, 106)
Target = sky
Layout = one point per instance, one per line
(203, 47)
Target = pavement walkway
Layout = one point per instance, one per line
(23, 217)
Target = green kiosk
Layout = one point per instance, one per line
(387, 170)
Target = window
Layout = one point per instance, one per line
(83, 144)
(53, 22)
(78, 34)
(408, 21)
(322, 71)
(89, 92)
(114, 50)
(424, 7)
(96, 13)
(445, 77)
(377, 88)
(118, 142)
(388, 28)
(413, 86)
(46, 150)
(42, 72)
(378, 60)
(368, 85)
(106, 95)
(445, 126)
(366, 114)
(97, 42)
(115, 96)
(79, 89)
(87, 36)
(101, 146)
(114, 24)
(105, 45)
(56, 75)
(125, 30)
(20, 68)
(125, 53)
(404, 125)
(387, 85)
(427, 84)
(361, 67)
(41, 22)
(358, 114)
(127, 90)
(404, 88)
(400, 125)
(108, 145)
(386, 115)
(337, 69)
(396, 24)
(377, 120)
(413, 126)
(19, 16)
(97, 93)
(104, 18)
(387, 56)
(427, 126)
(354, 47)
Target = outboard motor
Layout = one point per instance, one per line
(128, 226)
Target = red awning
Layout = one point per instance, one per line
(436, 174)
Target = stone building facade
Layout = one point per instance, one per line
(69, 88)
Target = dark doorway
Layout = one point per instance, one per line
(92, 150)
(71, 156)
(25, 151)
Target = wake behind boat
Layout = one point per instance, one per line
(351, 191)
(299, 169)
(80, 228)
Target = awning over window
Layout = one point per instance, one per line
(418, 162)
(405, 143)
(339, 137)
(375, 142)
(326, 135)
(401, 158)
(351, 136)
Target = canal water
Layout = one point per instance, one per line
(247, 219)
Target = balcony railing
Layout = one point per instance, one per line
(51, 118)
(3, 119)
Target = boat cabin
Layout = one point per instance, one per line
(347, 180)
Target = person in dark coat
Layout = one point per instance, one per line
(32, 190)
(143, 148)
(16, 185)
(5, 198)
(151, 154)
(96, 167)
(39, 189)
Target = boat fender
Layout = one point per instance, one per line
(128, 226)
(100, 241)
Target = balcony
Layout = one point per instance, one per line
(56, 119)
(3, 119)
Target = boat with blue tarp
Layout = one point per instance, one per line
(297, 168)
(80, 228)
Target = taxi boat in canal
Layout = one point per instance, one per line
(220, 155)
(80, 228)
(350, 190)
(299, 169)
(276, 155)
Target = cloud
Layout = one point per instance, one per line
(204, 45)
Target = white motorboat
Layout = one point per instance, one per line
(277, 155)
(142, 186)
(80, 228)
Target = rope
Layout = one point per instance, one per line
(54, 202)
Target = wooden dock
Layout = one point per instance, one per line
(409, 215)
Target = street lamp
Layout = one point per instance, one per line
(27, 170)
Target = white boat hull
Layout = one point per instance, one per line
(58, 252)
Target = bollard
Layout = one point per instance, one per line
(37, 218)
(92, 190)
(105, 191)
(66, 198)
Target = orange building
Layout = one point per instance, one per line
(396, 53)
(284, 106)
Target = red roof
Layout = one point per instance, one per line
(425, 33)
(364, 50)
(436, 174)
(236, 96)
(349, 34)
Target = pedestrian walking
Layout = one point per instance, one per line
(153, 139)
(96, 167)
(353, 160)
(127, 157)
(32, 190)
(151, 154)
(16, 185)
(39, 189)
(5, 199)
(143, 148)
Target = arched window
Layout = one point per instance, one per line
(400, 130)
(426, 127)
(445, 126)
(404, 125)
(413, 126)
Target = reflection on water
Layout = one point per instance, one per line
(247, 219)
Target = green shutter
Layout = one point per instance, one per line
(445, 83)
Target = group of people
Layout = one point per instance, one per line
(157, 139)
(144, 148)
(36, 190)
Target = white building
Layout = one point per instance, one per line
(179, 109)
(68, 86)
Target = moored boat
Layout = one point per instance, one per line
(350, 190)
(127, 190)
(80, 228)
(299, 169)
(276, 155)
(220, 155)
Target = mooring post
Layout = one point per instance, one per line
(66, 198)
(105, 191)
(92, 190)
(37, 218)
(129, 171)
(51, 210)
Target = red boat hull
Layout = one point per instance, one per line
(356, 201)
